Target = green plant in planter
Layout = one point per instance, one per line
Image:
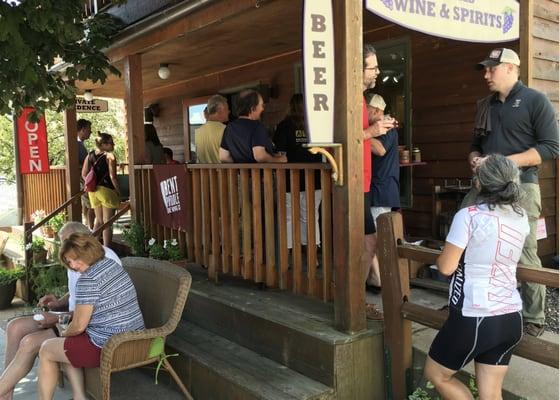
(173, 250)
(57, 221)
(135, 237)
(36, 245)
(50, 278)
(8, 276)
(157, 251)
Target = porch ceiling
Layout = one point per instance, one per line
(256, 34)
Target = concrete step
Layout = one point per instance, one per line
(295, 331)
(217, 368)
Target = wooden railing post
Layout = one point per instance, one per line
(73, 167)
(394, 273)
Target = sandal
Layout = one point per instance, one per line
(373, 312)
(534, 329)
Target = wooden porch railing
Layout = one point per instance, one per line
(238, 214)
(43, 191)
(400, 311)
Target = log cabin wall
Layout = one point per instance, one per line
(544, 34)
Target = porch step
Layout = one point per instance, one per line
(295, 331)
(220, 369)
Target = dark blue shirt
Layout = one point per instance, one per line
(526, 119)
(385, 186)
(241, 135)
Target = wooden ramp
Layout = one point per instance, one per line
(239, 342)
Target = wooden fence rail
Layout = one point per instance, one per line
(400, 311)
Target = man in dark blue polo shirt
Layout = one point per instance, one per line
(518, 122)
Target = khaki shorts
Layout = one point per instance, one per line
(105, 197)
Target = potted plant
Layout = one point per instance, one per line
(157, 251)
(135, 237)
(8, 279)
(37, 247)
(57, 222)
(46, 230)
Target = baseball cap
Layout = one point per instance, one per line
(378, 102)
(498, 56)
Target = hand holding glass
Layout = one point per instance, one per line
(64, 321)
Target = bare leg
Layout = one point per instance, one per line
(445, 382)
(371, 276)
(108, 233)
(76, 378)
(98, 217)
(51, 354)
(16, 330)
(23, 361)
(489, 379)
(90, 217)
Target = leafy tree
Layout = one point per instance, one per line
(35, 33)
(111, 122)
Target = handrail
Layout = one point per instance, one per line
(53, 213)
(544, 276)
(263, 166)
(399, 311)
(108, 223)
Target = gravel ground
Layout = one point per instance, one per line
(552, 310)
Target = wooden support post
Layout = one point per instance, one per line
(394, 273)
(133, 100)
(349, 293)
(73, 167)
(526, 48)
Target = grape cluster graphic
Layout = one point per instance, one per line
(387, 3)
(508, 20)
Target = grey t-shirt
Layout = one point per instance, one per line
(526, 119)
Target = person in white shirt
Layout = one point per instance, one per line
(485, 308)
(25, 335)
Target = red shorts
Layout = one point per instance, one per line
(81, 352)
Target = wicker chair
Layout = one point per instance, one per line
(162, 289)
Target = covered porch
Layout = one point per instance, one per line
(235, 214)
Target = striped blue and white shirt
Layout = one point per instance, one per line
(108, 288)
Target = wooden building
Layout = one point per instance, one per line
(223, 46)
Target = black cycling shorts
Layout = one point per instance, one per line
(369, 221)
(487, 340)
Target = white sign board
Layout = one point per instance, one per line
(93, 106)
(318, 66)
(485, 21)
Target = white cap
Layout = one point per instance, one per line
(378, 102)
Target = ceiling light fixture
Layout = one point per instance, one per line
(88, 95)
(164, 72)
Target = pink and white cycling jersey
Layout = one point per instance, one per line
(486, 284)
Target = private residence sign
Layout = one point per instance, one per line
(318, 66)
(468, 20)
(93, 106)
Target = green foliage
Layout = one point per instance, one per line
(47, 279)
(8, 276)
(111, 122)
(158, 252)
(170, 250)
(58, 221)
(173, 250)
(37, 244)
(35, 33)
(135, 237)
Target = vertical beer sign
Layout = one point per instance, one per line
(32, 143)
(319, 74)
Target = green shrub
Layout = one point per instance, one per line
(47, 279)
(58, 221)
(37, 244)
(8, 276)
(135, 237)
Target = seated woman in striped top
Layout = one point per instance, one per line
(102, 310)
